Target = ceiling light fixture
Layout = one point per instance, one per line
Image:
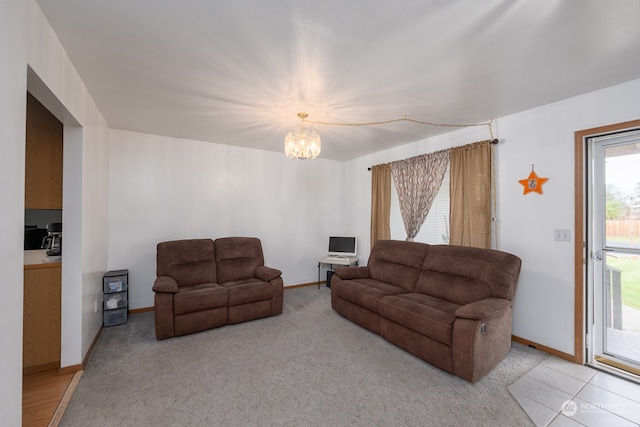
(303, 143)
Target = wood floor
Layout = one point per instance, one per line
(41, 394)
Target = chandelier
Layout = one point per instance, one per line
(303, 143)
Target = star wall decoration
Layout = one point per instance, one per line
(533, 183)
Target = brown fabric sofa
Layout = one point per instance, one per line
(202, 284)
(448, 305)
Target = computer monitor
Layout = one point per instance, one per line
(343, 245)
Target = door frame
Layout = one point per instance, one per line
(580, 243)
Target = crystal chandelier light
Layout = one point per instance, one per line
(303, 143)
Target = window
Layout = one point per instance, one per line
(435, 229)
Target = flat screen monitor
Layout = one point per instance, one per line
(343, 245)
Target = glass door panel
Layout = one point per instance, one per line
(616, 239)
(622, 306)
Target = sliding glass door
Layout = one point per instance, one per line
(614, 245)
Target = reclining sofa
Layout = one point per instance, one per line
(448, 305)
(202, 284)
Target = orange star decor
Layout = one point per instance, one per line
(533, 184)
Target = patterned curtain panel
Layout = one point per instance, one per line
(417, 181)
(470, 195)
(380, 203)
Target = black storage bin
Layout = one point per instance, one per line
(329, 274)
(115, 303)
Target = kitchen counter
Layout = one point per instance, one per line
(39, 259)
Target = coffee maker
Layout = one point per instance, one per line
(53, 240)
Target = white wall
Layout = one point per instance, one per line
(26, 40)
(544, 304)
(544, 136)
(164, 188)
(13, 81)
(85, 193)
(169, 188)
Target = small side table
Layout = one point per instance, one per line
(343, 261)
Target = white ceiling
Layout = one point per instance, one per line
(238, 71)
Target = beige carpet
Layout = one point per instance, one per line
(308, 366)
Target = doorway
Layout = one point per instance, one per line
(42, 269)
(41, 394)
(612, 249)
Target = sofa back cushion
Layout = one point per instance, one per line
(462, 275)
(397, 262)
(237, 257)
(189, 262)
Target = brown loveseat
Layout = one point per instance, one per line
(448, 305)
(202, 284)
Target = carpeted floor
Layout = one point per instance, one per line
(308, 366)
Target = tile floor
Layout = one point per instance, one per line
(560, 393)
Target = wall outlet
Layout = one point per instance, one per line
(95, 305)
(562, 235)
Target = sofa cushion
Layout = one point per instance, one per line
(426, 315)
(483, 309)
(237, 257)
(364, 292)
(463, 274)
(267, 273)
(165, 284)
(199, 297)
(248, 290)
(350, 273)
(189, 262)
(397, 262)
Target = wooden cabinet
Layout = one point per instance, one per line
(42, 316)
(43, 158)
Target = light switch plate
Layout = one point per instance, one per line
(562, 235)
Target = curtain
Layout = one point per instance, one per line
(470, 195)
(417, 181)
(380, 203)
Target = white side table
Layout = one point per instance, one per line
(331, 260)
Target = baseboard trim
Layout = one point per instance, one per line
(303, 285)
(551, 351)
(93, 344)
(141, 310)
(64, 402)
(76, 368)
(70, 369)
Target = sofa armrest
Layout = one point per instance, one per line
(350, 273)
(267, 274)
(165, 284)
(483, 309)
